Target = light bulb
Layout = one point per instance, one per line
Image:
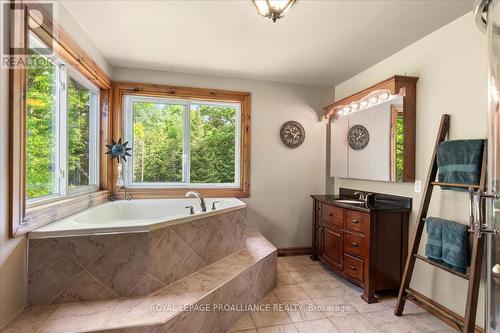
(363, 104)
(279, 5)
(354, 106)
(262, 7)
(383, 96)
(494, 90)
(373, 100)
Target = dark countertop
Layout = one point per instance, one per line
(381, 203)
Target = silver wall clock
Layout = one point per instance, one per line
(358, 137)
(292, 134)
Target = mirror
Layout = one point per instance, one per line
(370, 143)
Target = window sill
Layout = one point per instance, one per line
(157, 193)
(46, 213)
(44, 201)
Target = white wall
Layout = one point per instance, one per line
(452, 71)
(68, 23)
(12, 251)
(281, 179)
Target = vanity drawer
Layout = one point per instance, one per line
(357, 221)
(333, 216)
(353, 268)
(356, 245)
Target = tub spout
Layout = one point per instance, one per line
(200, 199)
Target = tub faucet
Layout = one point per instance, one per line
(199, 197)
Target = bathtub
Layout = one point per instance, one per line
(130, 248)
(142, 215)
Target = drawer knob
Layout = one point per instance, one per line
(355, 244)
(330, 214)
(355, 221)
(352, 268)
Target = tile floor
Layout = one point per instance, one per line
(310, 299)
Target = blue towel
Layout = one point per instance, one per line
(448, 243)
(434, 246)
(459, 161)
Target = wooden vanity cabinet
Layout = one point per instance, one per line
(366, 248)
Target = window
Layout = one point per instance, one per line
(61, 129)
(182, 143)
(58, 125)
(82, 135)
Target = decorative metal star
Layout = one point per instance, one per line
(118, 150)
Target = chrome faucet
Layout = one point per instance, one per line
(200, 199)
(362, 196)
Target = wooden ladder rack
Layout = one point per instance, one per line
(466, 324)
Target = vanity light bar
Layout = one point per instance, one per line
(373, 98)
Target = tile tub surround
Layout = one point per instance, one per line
(93, 268)
(241, 278)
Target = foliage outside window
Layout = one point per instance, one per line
(41, 127)
(182, 143)
(61, 129)
(399, 146)
(79, 141)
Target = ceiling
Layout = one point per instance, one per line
(318, 42)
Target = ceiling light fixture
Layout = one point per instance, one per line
(273, 9)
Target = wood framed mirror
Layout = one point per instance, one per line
(373, 132)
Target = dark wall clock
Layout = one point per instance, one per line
(358, 137)
(292, 134)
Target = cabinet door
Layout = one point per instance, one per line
(359, 161)
(380, 141)
(317, 227)
(333, 246)
(317, 238)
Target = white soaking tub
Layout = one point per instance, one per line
(141, 215)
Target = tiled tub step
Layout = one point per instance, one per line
(100, 267)
(207, 301)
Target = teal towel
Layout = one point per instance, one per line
(448, 243)
(459, 161)
(434, 246)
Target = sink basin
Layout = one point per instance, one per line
(355, 202)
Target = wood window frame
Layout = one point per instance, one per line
(122, 89)
(23, 219)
